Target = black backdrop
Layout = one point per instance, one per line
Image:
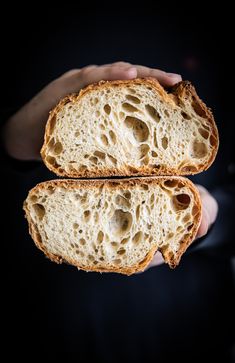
(161, 314)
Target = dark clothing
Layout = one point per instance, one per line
(184, 314)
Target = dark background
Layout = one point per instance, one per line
(184, 314)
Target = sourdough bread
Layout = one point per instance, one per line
(130, 127)
(114, 225)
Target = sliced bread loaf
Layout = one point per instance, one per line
(114, 225)
(132, 127)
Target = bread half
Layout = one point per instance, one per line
(133, 127)
(114, 225)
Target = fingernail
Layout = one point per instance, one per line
(174, 75)
(132, 72)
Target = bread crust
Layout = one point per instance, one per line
(127, 183)
(181, 91)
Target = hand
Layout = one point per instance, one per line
(209, 214)
(24, 131)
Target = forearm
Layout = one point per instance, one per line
(22, 134)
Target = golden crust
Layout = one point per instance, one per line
(127, 183)
(181, 91)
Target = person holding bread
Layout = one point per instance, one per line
(22, 145)
(101, 295)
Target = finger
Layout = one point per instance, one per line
(70, 73)
(165, 79)
(118, 64)
(94, 74)
(203, 229)
(209, 203)
(157, 260)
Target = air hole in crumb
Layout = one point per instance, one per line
(51, 189)
(152, 198)
(185, 116)
(198, 108)
(33, 198)
(204, 133)
(52, 123)
(165, 142)
(153, 113)
(82, 241)
(133, 99)
(181, 201)
(190, 227)
(143, 150)
(112, 159)
(127, 195)
(80, 231)
(131, 90)
(137, 237)
(51, 160)
(145, 161)
(154, 154)
(124, 241)
(187, 218)
(75, 226)
(199, 149)
(122, 202)
(166, 113)
(112, 137)
(100, 237)
(86, 156)
(121, 115)
(139, 129)
(102, 127)
(114, 244)
(99, 155)
(51, 143)
(137, 212)
(77, 133)
(170, 183)
(91, 258)
(117, 261)
(155, 139)
(121, 251)
(57, 148)
(169, 236)
(39, 210)
(195, 210)
(120, 222)
(93, 159)
(82, 168)
(87, 215)
(213, 141)
(104, 139)
(189, 169)
(145, 187)
(107, 109)
(128, 107)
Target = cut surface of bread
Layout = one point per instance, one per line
(114, 225)
(126, 128)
